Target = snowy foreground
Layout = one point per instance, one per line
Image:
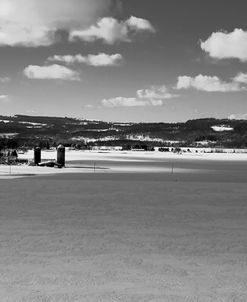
(72, 155)
(129, 237)
(117, 161)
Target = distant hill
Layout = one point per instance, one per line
(30, 130)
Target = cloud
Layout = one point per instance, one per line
(100, 59)
(4, 98)
(154, 96)
(241, 78)
(129, 102)
(239, 116)
(52, 72)
(4, 79)
(208, 84)
(111, 30)
(223, 45)
(36, 23)
(139, 24)
(155, 92)
(88, 106)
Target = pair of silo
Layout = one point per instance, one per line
(60, 155)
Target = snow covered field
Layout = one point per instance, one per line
(123, 161)
(170, 235)
(73, 155)
(124, 237)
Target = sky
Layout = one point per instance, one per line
(124, 60)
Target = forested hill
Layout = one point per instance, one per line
(29, 130)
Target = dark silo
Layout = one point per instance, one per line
(37, 155)
(61, 155)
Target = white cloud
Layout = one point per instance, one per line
(108, 29)
(35, 22)
(52, 72)
(223, 45)
(241, 78)
(111, 30)
(4, 79)
(239, 116)
(104, 59)
(34, 37)
(155, 92)
(139, 24)
(100, 59)
(121, 102)
(208, 84)
(154, 96)
(88, 106)
(129, 102)
(4, 98)
(154, 102)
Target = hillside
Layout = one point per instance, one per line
(47, 131)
